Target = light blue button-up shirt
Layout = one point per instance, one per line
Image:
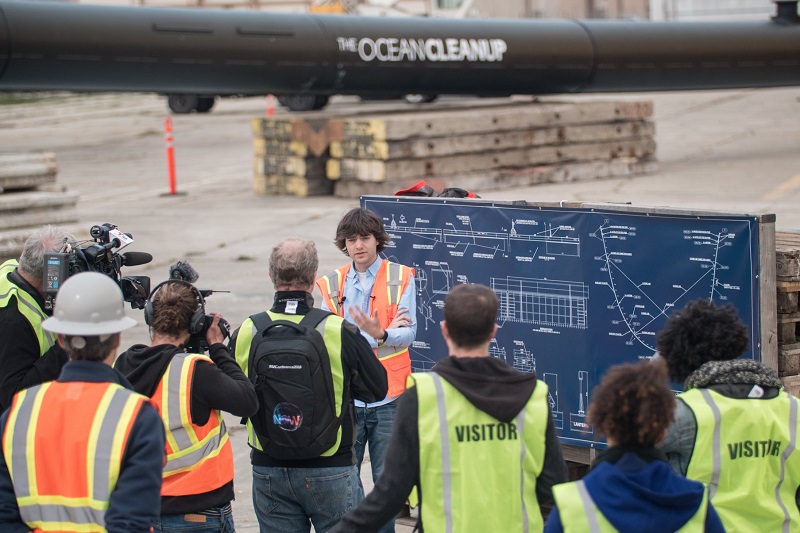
(356, 294)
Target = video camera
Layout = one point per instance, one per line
(197, 343)
(100, 256)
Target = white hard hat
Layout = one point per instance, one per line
(89, 303)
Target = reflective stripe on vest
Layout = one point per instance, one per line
(468, 461)
(199, 458)
(579, 514)
(56, 488)
(745, 451)
(27, 306)
(395, 278)
(331, 330)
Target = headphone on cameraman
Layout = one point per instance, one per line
(196, 322)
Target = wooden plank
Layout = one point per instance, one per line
(768, 341)
(787, 238)
(787, 262)
(792, 385)
(263, 146)
(787, 302)
(502, 118)
(366, 148)
(787, 318)
(292, 186)
(787, 285)
(373, 170)
(316, 134)
(578, 454)
(500, 178)
(277, 165)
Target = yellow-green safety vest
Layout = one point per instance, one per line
(579, 514)
(745, 452)
(478, 473)
(331, 330)
(27, 305)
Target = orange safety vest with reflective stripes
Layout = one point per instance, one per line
(390, 283)
(199, 458)
(63, 444)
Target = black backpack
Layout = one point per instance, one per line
(291, 371)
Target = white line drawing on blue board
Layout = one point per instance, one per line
(441, 279)
(523, 359)
(497, 351)
(552, 398)
(639, 313)
(553, 241)
(555, 244)
(577, 421)
(541, 301)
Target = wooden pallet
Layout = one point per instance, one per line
(505, 178)
(490, 145)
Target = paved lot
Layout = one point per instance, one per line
(729, 150)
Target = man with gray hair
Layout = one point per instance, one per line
(29, 355)
(293, 486)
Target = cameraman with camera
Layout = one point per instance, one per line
(29, 355)
(190, 391)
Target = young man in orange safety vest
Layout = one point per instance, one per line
(379, 296)
(85, 452)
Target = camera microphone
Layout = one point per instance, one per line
(135, 258)
(182, 270)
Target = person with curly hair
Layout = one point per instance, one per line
(735, 427)
(631, 487)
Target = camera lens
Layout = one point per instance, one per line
(96, 232)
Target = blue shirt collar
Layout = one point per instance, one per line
(372, 270)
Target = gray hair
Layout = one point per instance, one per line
(46, 239)
(293, 264)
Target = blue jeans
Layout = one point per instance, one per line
(289, 500)
(214, 520)
(375, 428)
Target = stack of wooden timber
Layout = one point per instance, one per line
(30, 198)
(478, 148)
(787, 282)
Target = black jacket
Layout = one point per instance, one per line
(490, 385)
(364, 379)
(21, 366)
(219, 386)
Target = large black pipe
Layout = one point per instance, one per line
(46, 46)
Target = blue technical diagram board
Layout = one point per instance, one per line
(580, 289)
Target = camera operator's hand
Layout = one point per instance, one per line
(214, 334)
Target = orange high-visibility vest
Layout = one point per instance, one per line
(199, 458)
(390, 283)
(63, 444)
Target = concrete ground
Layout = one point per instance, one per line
(722, 150)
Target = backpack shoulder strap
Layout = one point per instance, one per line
(314, 317)
(260, 322)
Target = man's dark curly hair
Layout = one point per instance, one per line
(699, 333)
(360, 222)
(633, 406)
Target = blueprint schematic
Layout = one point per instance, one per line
(580, 289)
